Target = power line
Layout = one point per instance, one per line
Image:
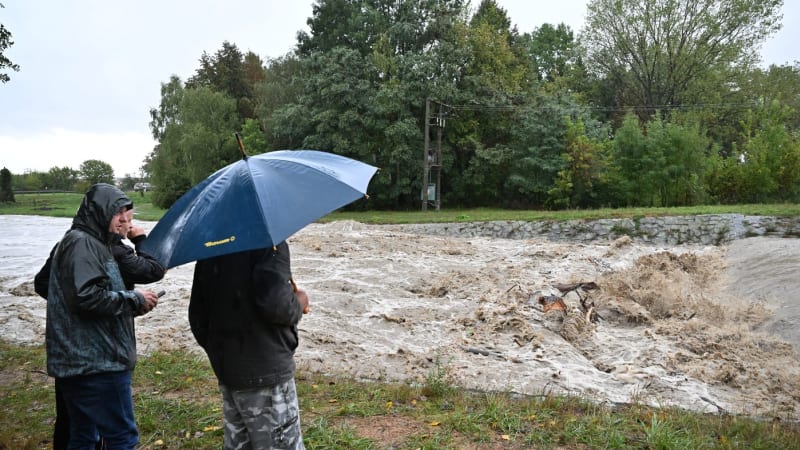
(692, 107)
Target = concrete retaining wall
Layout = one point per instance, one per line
(712, 229)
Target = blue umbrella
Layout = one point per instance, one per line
(256, 202)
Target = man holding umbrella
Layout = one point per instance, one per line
(244, 311)
(244, 308)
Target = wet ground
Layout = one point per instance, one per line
(702, 327)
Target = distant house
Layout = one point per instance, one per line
(142, 187)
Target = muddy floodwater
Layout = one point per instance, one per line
(706, 328)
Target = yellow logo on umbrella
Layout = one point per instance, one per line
(220, 242)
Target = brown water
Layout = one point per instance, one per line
(392, 305)
(767, 270)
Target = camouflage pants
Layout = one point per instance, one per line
(262, 418)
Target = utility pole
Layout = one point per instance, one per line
(425, 159)
(432, 160)
(438, 162)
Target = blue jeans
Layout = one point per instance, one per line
(100, 404)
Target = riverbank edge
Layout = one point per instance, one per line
(709, 229)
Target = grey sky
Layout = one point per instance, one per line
(92, 69)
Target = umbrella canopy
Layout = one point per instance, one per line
(256, 202)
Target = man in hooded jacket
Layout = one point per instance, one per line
(90, 339)
(135, 267)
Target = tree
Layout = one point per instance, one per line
(539, 142)
(94, 171)
(581, 182)
(553, 51)
(660, 54)
(683, 147)
(6, 191)
(5, 43)
(60, 178)
(229, 73)
(495, 78)
(282, 86)
(639, 166)
(194, 143)
(771, 155)
(253, 138)
(366, 68)
(168, 109)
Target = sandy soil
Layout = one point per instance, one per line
(665, 329)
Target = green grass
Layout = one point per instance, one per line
(65, 205)
(178, 406)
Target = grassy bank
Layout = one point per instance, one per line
(178, 407)
(65, 205)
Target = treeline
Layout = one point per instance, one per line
(57, 178)
(655, 103)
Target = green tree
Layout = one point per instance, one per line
(660, 162)
(639, 165)
(366, 69)
(496, 65)
(28, 181)
(94, 171)
(664, 53)
(777, 85)
(253, 138)
(229, 73)
(684, 155)
(582, 181)
(770, 167)
(197, 141)
(539, 140)
(5, 62)
(281, 87)
(352, 24)
(554, 52)
(60, 178)
(168, 108)
(6, 190)
(493, 82)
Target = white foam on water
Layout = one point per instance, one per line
(688, 326)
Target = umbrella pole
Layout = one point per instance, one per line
(241, 145)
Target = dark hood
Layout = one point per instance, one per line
(98, 207)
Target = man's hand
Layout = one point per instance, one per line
(302, 297)
(150, 301)
(134, 231)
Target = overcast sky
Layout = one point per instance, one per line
(90, 70)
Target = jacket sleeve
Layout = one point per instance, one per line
(93, 294)
(41, 282)
(136, 266)
(275, 301)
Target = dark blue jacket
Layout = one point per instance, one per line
(89, 311)
(244, 314)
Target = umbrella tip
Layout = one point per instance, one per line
(241, 145)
